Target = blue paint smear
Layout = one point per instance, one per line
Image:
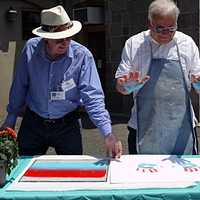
(69, 165)
(132, 86)
(197, 85)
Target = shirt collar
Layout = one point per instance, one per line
(70, 50)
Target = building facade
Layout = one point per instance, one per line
(106, 26)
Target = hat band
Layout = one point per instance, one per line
(52, 29)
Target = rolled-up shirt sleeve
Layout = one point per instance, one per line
(194, 60)
(92, 95)
(126, 64)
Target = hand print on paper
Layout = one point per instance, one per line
(186, 164)
(190, 167)
(147, 168)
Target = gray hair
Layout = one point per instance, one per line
(163, 8)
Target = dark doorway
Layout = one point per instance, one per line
(30, 20)
(96, 44)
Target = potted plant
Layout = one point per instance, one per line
(8, 153)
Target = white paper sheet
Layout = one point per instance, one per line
(154, 168)
(129, 172)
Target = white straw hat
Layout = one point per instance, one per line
(56, 24)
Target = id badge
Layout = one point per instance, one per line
(55, 96)
(68, 85)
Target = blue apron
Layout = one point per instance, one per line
(164, 111)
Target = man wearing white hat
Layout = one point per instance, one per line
(54, 76)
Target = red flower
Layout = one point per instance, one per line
(11, 132)
(9, 148)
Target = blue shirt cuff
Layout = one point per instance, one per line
(106, 129)
(11, 119)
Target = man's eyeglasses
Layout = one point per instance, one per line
(164, 30)
(58, 41)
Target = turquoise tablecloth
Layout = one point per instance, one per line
(192, 193)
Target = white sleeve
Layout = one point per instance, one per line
(125, 65)
(194, 60)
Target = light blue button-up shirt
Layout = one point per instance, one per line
(36, 76)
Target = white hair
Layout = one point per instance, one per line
(163, 8)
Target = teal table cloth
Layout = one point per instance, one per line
(190, 193)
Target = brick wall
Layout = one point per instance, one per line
(128, 17)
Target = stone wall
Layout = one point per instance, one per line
(7, 60)
(123, 18)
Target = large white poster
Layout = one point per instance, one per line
(155, 169)
(60, 173)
